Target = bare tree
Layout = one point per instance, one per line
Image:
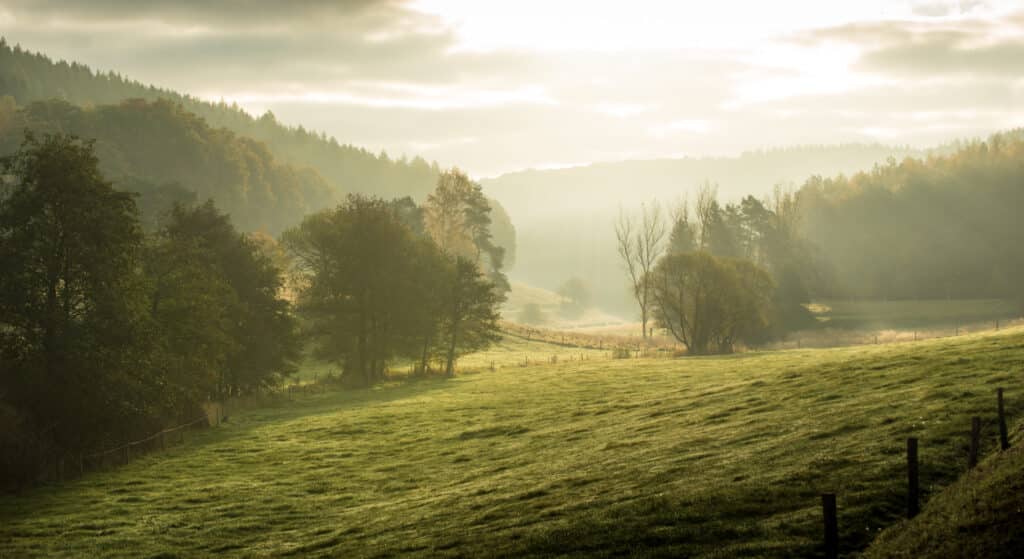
(640, 245)
(707, 204)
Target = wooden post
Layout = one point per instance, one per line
(972, 456)
(876, 339)
(913, 497)
(997, 325)
(915, 335)
(828, 505)
(1004, 441)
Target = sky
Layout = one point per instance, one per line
(499, 86)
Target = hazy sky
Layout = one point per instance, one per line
(499, 86)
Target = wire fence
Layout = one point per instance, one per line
(67, 466)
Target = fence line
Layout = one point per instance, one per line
(130, 444)
(55, 467)
(913, 504)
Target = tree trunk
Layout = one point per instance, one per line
(450, 367)
(423, 359)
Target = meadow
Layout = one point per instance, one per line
(711, 457)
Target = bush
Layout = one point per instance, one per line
(622, 353)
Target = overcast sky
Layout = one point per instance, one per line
(500, 86)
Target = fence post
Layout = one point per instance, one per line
(913, 502)
(1004, 441)
(972, 457)
(828, 505)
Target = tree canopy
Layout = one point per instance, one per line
(108, 333)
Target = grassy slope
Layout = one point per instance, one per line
(981, 515)
(717, 457)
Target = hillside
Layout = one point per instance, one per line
(27, 77)
(712, 457)
(945, 226)
(169, 154)
(981, 515)
(172, 146)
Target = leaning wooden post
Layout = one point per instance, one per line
(913, 497)
(1004, 441)
(972, 457)
(828, 505)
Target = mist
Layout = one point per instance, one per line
(442, 278)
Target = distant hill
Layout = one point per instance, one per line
(565, 217)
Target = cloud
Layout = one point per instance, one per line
(393, 75)
(267, 45)
(911, 48)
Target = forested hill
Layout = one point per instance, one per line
(168, 154)
(943, 226)
(29, 77)
(171, 146)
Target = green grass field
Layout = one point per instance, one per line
(712, 457)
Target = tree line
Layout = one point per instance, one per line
(714, 275)
(109, 332)
(943, 227)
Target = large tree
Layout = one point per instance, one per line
(70, 299)
(471, 316)
(458, 217)
(262, 328)
(361, 296)
(373, 290)
(708, 303)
